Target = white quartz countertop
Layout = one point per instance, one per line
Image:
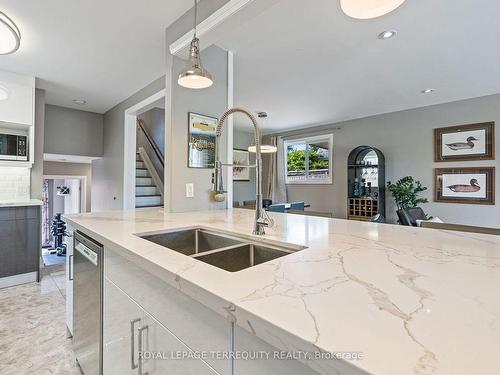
(411, 300)
(30, 202)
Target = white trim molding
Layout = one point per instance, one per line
(208, 24)
(129, 147)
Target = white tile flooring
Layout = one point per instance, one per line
(33, 335)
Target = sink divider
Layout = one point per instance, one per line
(196, 255)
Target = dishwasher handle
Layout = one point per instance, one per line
(91, 255)
(70, 267)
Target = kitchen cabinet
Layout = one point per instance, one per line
(19, 245)
(170, 321)
(19, 106)
(130, 331)
(199, 327)
(68, 240)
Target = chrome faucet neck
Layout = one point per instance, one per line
(261, 218)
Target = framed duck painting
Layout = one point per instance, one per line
(465, 185)
(465, 142)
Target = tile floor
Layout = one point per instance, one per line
(33, 337)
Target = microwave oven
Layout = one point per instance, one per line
(13, 146)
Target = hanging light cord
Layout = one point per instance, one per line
(195, 15)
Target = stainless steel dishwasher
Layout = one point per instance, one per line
(87, 303)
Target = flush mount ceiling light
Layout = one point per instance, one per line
(427, 91)
(4, 93)
(387, 34)
(79, 101)
(366, 9)
(10, 36)
(194, 75)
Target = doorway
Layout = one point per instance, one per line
(61, 195)
(143, 177)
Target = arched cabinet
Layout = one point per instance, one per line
(365, 183)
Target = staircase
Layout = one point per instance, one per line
(146, 191)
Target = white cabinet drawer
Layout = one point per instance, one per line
(200, 328)
(133, 341)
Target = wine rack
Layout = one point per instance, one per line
(362, 208)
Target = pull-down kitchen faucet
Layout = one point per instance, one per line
(261, 218)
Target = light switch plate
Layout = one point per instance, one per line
(189, 190)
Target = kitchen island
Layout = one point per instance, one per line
(384, 299)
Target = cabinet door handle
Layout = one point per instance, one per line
(70, 267)
(133, 365)
(141, 356)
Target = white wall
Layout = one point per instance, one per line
(406, 139)
(56, 202)
(72, 201)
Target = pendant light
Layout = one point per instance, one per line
(10, 36)
(367, 9)
(265, 149)
(194, 75)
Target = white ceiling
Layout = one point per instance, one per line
(101, 51)
(306, 63)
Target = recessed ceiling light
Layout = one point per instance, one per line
(387, 34)
(427, 91)
(4, 93)
(79, 101)
(10, 36)
(366, 9)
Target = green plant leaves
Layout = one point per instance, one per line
(405, 192)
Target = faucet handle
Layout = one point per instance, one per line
(265, 221)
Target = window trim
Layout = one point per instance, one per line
(306, 141)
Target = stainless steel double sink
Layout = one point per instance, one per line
(230, 252)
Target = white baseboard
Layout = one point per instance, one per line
(23, 278)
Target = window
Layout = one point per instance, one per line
(309, 160)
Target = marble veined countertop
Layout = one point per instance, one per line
(411, 300)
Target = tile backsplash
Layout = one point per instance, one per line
(14, 184)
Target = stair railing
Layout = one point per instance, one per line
(154, 146)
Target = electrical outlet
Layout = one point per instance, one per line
(189, 190)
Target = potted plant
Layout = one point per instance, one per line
(405, 193)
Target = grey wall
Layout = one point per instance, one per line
(53, 168)
(406, 139)
(154, 121)
(107, 173)
(244, 190)
(210, 102)
(37, 169)
(73, 132)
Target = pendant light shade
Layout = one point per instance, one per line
(194, 75)
(366, 9)
(10, 36)
(265, 149)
